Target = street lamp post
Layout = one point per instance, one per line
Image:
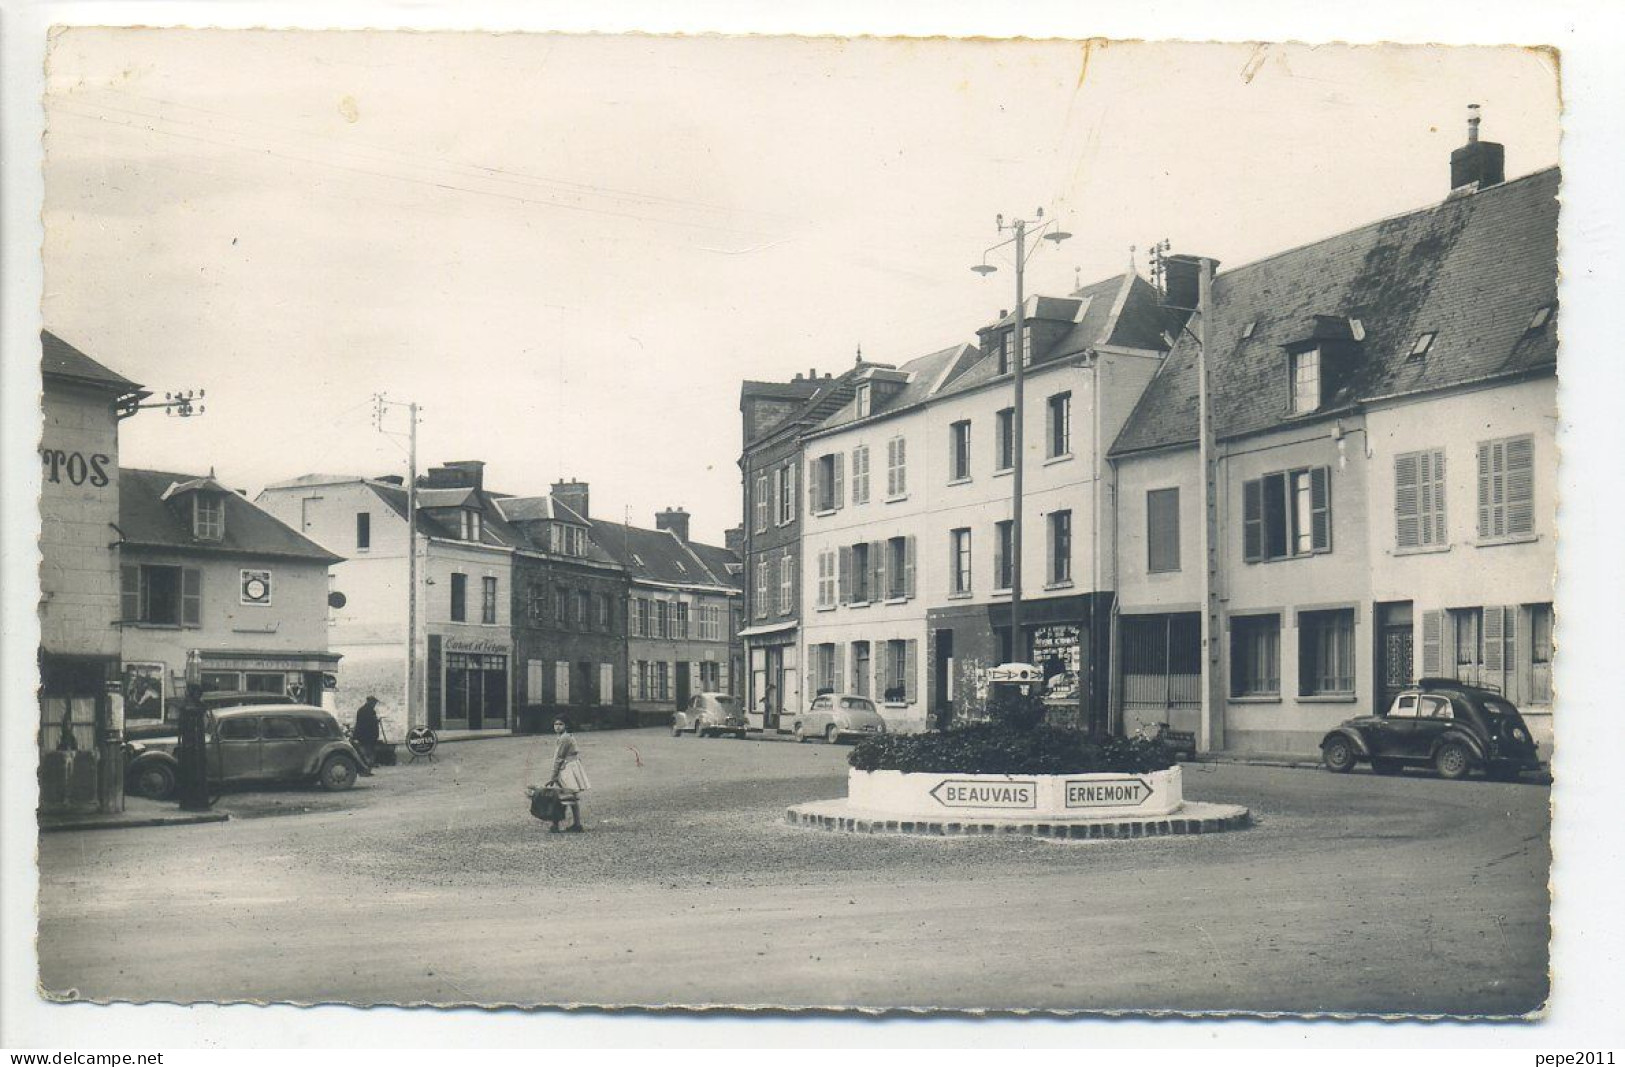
(1018, 228)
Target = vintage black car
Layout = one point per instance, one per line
(261, 742)
(1452, 726)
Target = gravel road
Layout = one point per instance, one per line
(430, 883)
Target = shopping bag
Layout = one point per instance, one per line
(546, 805)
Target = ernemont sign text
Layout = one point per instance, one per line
(984, 795)
(1107, 792)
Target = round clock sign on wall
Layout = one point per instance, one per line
(256, 587)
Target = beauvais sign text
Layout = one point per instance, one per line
(970, 793)
(1107, 792)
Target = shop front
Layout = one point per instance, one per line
(1066, 638)
(154, 688)
(774, 676)
(469, 683)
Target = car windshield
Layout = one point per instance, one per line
(726, 703)
(858, 704)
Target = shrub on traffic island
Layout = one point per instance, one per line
(997, 747)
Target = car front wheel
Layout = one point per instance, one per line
(1453, 760)
(156, 781)
(337, 773)
(1338, 755)
(800, 734)
(832, 736)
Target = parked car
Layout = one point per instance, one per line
(1440, 722)
(149, 747)
(834, 716)
(271, 742)
(710, 714)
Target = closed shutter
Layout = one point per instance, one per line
(846, 574)
(1493, 639)
(778, 495)
(877, 570)
(902, 465)
(606, 683)
(1433, 499)
(1320, 506)
(838, 492)
(130, 593)
(812, 486)
(835, 679)
(1407, 503)
(1520, 486)
(1432, 643)
(191, 596)
(911, 665)
(1488, 488)
(790, 491)
(1510, 659)
(908, 567)
(1252, 521)
(891, 467)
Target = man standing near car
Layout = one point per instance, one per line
(364, 734)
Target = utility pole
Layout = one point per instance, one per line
(1018, 228)
(414, 700)
(1213, 697)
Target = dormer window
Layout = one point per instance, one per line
(569, 540)
(208, 517)
(1420, 348)
(1026, 344)
(1305, 381)
(1003, 352)
(1543, 315)
(470, 525)
(865, 400)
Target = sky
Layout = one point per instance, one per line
(571, 250)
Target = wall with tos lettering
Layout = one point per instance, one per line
(78, 507)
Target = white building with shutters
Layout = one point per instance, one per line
(1384, 404)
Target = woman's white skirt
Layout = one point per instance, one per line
(573, 777)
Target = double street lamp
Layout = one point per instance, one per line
(1019, 229)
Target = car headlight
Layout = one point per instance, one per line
(1518, 734)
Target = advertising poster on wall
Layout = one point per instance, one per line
(1056, 653)
(144, 692)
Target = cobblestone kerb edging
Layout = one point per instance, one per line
(1196, 818)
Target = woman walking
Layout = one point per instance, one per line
(569, 775)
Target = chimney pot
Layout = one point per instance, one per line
(573, 495)
(1476, 164)
(675, 520)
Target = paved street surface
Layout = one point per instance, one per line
(432, 883)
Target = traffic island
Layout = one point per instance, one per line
(1069, 806)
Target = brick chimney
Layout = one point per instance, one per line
(457, 474)
(675, 520)
(734, 539)
(1476, 164)
(573, 495)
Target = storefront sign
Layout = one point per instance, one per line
(476, 644)
(1107, 792)
(983, 794)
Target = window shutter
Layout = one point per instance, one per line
(1408, 507)
(191, 596)
(1484, 490)
(1049, 429)
(911, 663)
(902, 465)
(778, 495)
(877, 570)
(891, 467)
(846, 574)
(1320, 506)
(1440, 530)
(908, 567)
(1432, 643)
(835, 673)
(1510, 658)
(838, 491)
(129, 593)
(1493, 638)
(790, 490)
(812, 486)
(1252, 520)
(1520, 486)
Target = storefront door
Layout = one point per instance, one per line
(682, 683)
(1396, 651)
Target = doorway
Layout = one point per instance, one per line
(1396, 651)
(942, 675)
(682, 683)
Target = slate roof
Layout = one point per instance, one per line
(1472, 269)
(145, 519)
(494, 529)
(523, 511)
(58, 359)
(723, 563)
(924, 374)
(653, 555)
